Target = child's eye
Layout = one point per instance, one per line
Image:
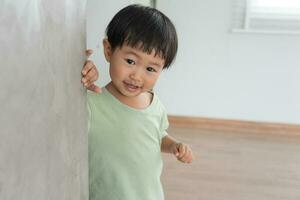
(151, 69)
(129, 61)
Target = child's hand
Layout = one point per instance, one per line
(182, 152)
(90, 74)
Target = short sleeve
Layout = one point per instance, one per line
(164, 124)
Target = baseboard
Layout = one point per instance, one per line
(234, 125)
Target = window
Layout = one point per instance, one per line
(151, 3)
(268, 16)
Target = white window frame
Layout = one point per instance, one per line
(151, 3)
(250, 14)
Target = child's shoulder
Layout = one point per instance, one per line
(158, 103)
(91, 95)
(94, 97)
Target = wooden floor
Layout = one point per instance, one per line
(234, 166)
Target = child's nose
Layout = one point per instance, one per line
(136, 75)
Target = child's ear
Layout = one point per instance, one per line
(107, 49)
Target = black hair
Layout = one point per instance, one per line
(145, 28)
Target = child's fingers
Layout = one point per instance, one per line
(94, 88)
(91, 76)
(89, 81)
(190, 159)
(94, 74)
(176, 153)
(87, 67)
(187, 157)
(183, 153)
(176, 149)
(184, 160)
(182, 150)
(87, 84)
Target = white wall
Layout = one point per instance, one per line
(217, 73)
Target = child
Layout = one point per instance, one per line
(127, 122)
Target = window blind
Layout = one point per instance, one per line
(281, 16)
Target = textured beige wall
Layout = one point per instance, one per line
(43, 127)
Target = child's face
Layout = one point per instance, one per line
(132, 71)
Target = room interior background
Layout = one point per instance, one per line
(218, 73)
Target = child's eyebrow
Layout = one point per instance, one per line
(132, 52)
(156, 64)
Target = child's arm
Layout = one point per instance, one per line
(90, 74)
(182, 151)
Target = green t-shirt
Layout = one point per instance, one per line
(124, 149)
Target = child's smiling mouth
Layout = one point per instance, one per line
(131, 87)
